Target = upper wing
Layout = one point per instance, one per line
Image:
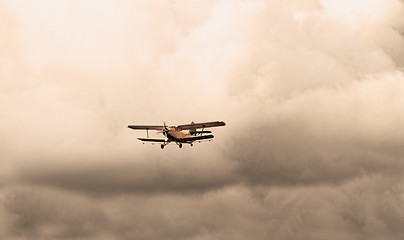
(201, 125)
(146, 127)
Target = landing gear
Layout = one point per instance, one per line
(180, 145)
(162, 146)
(192, 144)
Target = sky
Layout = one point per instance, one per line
(312, 92)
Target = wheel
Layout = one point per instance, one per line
(162, 146)
(180, 145)
(192, 144)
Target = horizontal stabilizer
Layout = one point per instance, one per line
(195, 132)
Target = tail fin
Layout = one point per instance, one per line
(192, 131)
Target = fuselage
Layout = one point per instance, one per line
(175, 134)
(184, 136)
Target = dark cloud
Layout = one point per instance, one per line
(150, 175)
(40, 214)
(365, 208)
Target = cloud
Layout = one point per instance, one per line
(368, 207)
(326, 135)
(311, 92)
(43, 214)
(150, 174)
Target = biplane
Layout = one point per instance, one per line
(188, 133)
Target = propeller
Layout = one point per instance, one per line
(165, 129)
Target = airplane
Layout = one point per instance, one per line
(180, 134)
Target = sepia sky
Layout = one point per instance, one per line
(312, 92)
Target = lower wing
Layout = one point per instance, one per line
(194, 138)
(184, 140)
(152, 139)
(146, 127)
